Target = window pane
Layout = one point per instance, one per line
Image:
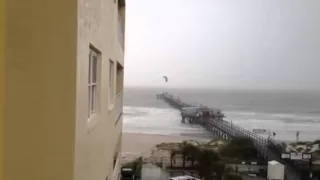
(111, 81)
(89, 101)
(94, 99)
(94, 68)
(89, 73)
(93, 78)
(110, 72)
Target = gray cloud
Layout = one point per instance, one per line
(223, 43)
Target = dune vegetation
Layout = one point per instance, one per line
(210, 158)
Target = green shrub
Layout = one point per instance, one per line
(316, 142)
(239, 148)
(233, 177)
(302, 143)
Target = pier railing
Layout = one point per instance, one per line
(228, 128)
(236, 131)
(265, 146)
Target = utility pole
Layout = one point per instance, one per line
(267, 155)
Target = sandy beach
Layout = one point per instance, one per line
(138, 144)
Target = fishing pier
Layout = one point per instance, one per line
(213, 122)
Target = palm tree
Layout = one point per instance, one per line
(184, 149)
(206, 160)
(194, 152)
(189, 152)
(173, 153)
(220, 169)
(241, 148)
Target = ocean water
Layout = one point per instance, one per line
(282, 112)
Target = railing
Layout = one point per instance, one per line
(119, 106)
(233, 130)
(236, 131)
(262, 144)
(120, 32)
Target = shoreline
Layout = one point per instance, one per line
(285, 124)
(204, 135)
(144, 145)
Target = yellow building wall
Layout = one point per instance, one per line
(40, 86)
(47, 134)
(97, 139)
(2, 28)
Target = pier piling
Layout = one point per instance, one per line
(268, 149)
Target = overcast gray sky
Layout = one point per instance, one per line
(223, 43)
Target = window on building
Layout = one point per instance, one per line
(121, 23)
(111, 81)
(115, 158)
(93, 85)
(119, 79)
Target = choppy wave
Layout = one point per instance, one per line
(156, 121)
(288, 118)
(166, 121)
(285, 125)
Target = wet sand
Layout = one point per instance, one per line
(138, 144)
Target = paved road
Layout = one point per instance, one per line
(152, 172)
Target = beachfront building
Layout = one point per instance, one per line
(61, 82)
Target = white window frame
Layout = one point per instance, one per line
(93, 83)
(112, 85)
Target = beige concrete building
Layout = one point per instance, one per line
(61, 83)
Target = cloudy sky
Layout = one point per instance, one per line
(273, 44)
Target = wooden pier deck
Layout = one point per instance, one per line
(268, 149)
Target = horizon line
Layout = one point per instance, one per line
(223, 88)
